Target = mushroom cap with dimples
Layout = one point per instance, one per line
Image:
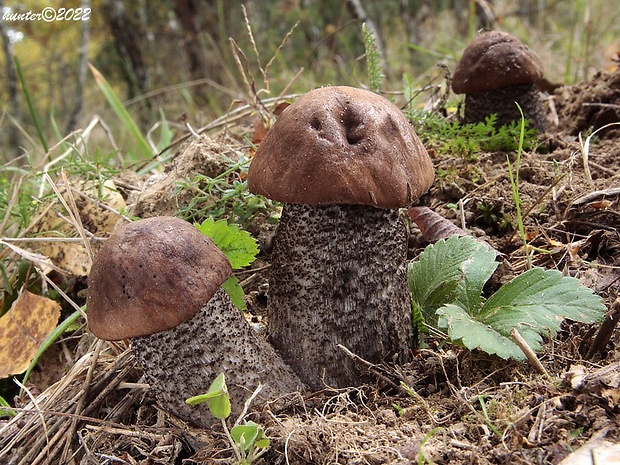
(342, 145)
(150, 276)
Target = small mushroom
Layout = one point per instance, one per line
(343, 160)
(157, 282)
(495, 71)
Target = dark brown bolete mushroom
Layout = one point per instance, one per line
(343, 160)
(495, 71)
(157, 281)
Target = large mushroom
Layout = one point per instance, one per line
(157, 282)
(495, 71)
(343, 160)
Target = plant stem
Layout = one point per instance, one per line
(529, 353)
(514, 183)
(232, 442)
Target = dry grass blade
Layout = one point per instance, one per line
(79, 394)
(39, 260)
(585, 151)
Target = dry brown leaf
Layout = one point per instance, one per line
(23, 329)
(73, 256)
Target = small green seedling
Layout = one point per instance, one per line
(446, 284)
(248, 440)
(239, 247)
(250, 437)
(216, 398)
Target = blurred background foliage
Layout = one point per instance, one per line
(174, 57)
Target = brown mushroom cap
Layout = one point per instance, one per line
(494, 60)
(150, 276)
(341, 145)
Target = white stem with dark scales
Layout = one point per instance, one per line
(338, 276)
(182, 362)
(480, 105)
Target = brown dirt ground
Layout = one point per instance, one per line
(461, 407)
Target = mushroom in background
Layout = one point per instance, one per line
(343, 160)
(495, 71)
(157, 281)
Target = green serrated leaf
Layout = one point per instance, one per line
(537, 301)
(238, 245)
(477, 270)
(216, 397)
(450, 271)
(463, 328)
(235, 292)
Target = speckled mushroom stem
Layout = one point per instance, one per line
(338, 276)
(217, 339)
(479, 105)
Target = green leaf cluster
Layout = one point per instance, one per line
(239, 247)
(248, 440)
(446, 285)
(466, 140)
(219, 197)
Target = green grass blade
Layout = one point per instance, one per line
(53, 337)
(33, 111)
(5, 409)
(142, 146)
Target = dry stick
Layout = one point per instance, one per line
(31, 426)
(371, 367)
(127, 432)
(529, 353)
(537, 428)
(47, 432)
(106, 385)
(41, 448)
(605, 331)
(99, 203)
(74, 213)
(60, 429)
(432, 225)
(80, 405)
(435, 227)
(402, 387)
(47, 451)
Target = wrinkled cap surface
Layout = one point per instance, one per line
(494, 60)
(150, 276)
(342, 145)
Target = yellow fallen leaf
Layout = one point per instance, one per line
(23, 329)
(50, 222)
